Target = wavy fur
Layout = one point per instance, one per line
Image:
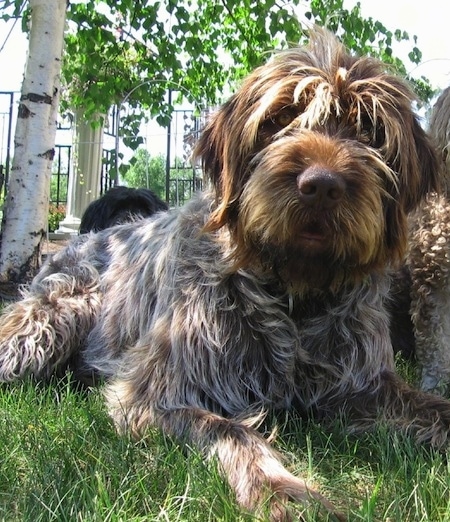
(267, 293)
(428, 264)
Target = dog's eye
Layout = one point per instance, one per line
(285, 117)
(365, 125)
(372, 134)
(379, 136)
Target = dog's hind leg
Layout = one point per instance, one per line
(43, 331)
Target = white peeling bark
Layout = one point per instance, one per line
(26, 208)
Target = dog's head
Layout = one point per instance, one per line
(316, 161)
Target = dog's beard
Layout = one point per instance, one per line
(304, 269)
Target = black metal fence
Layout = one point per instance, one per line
(182, 179)
(106, 180)
(61, 171)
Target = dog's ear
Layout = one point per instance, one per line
(415, 160)
(209, 149)
(417, 164)
(225, 157)
(213, 150)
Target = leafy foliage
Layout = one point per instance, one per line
(56, 213)
(150, 172)
(146, 171)
(12, 9)
(135, 51)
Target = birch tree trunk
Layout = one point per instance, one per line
(26, 208)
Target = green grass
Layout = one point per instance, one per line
(61, 460)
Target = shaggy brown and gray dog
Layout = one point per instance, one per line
(429, 267)
(267, 293)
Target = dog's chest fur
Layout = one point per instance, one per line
(210, 325)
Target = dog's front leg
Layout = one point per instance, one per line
(393, 401)
(40, 333)
(251, 466)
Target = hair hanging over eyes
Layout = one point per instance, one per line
(325, 85)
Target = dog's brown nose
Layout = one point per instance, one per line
(320, 187)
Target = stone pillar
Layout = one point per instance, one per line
(84, 181)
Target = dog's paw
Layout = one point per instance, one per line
(294, 500)
(281, 497)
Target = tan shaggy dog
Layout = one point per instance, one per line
(265, 293)
(428, 263)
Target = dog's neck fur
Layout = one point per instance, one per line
(294, 272)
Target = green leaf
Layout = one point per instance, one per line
(138, 50)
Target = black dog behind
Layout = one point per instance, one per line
(120, 205)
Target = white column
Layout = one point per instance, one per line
(84, 181)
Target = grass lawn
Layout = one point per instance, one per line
(61, 460)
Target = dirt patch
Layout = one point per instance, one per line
(52, 246)
(11, 291)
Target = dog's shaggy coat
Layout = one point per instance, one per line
(428, 263)
(266, 293)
